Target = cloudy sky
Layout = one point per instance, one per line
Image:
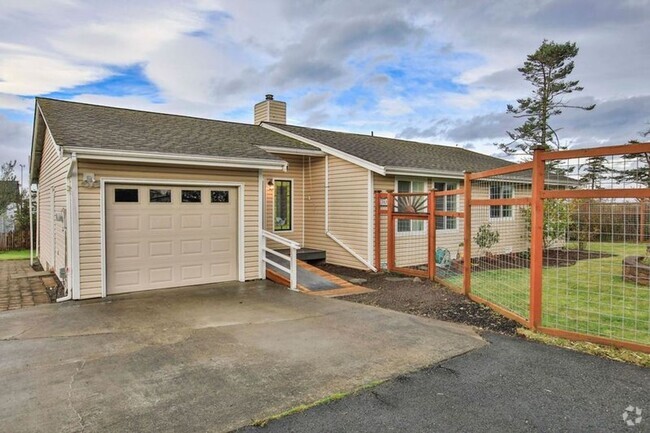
(437, 71)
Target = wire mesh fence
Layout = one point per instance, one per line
(598, 286)
(560, 243)
(500, 242)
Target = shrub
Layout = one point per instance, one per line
(486, 238)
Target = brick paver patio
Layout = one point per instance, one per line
(20, 286)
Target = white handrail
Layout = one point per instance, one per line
(291, 258)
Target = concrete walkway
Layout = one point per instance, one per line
(20, 286)
(512, 385)
(211, 358)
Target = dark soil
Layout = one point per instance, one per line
(553, 258)
(424, 298)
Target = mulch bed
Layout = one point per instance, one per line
(423, 298)
(553, 258)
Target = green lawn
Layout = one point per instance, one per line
(589, 297)
(15, 255)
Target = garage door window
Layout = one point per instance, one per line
(191, 196)
(160, 195)
(219, 196)
(124, 195)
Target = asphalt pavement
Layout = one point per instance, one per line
(511, 385)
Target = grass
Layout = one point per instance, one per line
(15, 255)
(589, 297)
(614, 353)
(329, 399)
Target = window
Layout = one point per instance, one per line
(160, 195)
(191, 196)
(448, 203)
(404, 226)
(219, 196)
(282, 211)
(499, 192)
(124, 195)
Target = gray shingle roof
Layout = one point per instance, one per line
(396, 153)
(98, 127)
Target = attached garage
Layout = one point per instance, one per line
(161, 236)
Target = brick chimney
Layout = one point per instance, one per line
(270, 110)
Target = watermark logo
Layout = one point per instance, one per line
(632, 416)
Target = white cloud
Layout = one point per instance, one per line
(394, 107)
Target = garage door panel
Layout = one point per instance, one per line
(192, 246)
(161, 275)
(126, 222)
(160, 222)
(191, 221)
(169, 244)
(160, 249)
(127, 250)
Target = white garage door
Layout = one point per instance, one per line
(169, 236)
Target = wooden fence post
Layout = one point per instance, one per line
(537, 239)
(390, 233)
(431, 209)
(467, 234)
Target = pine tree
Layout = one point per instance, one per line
(594, 171)
(547, 70)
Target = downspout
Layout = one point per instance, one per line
(72, 177)
(327, 222)
(31, 222)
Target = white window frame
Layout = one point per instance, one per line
(457, 186)
(410, 231)
(293, 188)
(500, 206)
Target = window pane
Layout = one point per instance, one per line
(506, 191)
(451, 203)
(403, 226)
(160, 195)
(440, 223)
(506, 211)
(417, 225)
(495, 192)
(403, 186)
(417, 186)
(282, 209)
(191, 196)
(451, 223)
(123, 195)
(217, 196)
(440, 203)
(439, 186)
(495, 211)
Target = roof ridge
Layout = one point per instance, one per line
(143, 111)
(369, 136)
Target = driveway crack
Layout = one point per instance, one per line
(72, 379)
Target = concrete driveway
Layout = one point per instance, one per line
(210, 358)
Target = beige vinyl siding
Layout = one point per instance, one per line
(294, 173)
(52, 180)
(348, 209)
(411, 248)
(89, 211)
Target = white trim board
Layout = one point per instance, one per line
(329, 150)
(133, 181)
(175, 159)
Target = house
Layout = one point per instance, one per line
(132, 200)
